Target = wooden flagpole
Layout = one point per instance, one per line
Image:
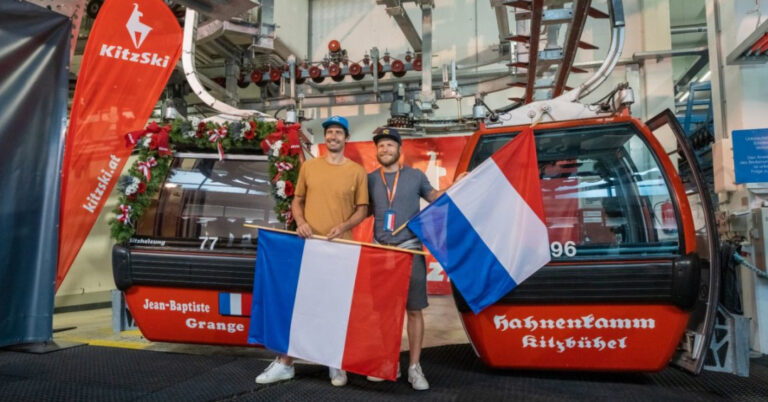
(400, 228)
(405, 250)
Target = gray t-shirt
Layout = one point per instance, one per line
(411, 186)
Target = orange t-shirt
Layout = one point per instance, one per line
(331, 193)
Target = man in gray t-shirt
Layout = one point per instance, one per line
(395, 192)
(412, 185)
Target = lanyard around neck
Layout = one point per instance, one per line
(390, 193)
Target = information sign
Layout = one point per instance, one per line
(750, 155)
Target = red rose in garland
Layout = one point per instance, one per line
(200, 129)
(288, 188)
(251, 133)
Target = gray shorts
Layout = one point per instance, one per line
(417, 290)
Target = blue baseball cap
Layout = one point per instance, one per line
(388, 133)
(337, 121)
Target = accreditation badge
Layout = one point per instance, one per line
(389, 220)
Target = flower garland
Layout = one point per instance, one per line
(155, 145)
(144, 178)
(283, 148)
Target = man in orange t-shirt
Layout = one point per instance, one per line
(331, 198)
(331, 194)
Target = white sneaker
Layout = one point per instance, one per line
(276, 371)
(416, 378)
(379, 379)
(338, 377)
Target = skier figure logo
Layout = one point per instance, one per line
(137, 29)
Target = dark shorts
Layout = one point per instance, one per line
(417, 290)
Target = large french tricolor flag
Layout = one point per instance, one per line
(337, 304)
(488, 230)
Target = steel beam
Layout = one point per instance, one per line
(220, 10)
(502, 19)
(537, 9)
(575, 28)
(214, 29)
(487, 86)
(702, 61)
(702, 28)
(660, 54)
(395, 10)
(267, 26)
(426, 56)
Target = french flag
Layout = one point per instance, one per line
(390, 223)
(235, 304)
(333, 303)
(488, 230)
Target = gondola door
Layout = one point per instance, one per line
(693, 347)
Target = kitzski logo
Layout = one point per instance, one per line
(138, 32)
(137, 29)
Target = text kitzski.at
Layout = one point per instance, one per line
(588, 322)
(120, 53)
(105, 176)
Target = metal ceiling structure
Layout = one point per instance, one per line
(548, 64)
(236, 45)
(537, 62)
(220, 9)
(753, 49)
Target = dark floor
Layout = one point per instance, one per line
(91, 373)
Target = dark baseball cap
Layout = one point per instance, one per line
(389, 133)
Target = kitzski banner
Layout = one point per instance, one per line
(131, 52)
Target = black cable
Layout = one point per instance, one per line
(278, 111)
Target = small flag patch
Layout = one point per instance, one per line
(235, 304)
